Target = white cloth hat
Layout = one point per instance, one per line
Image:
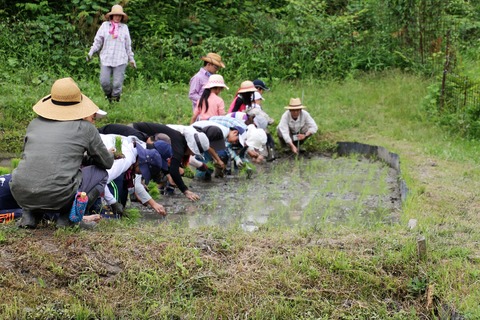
(100, 114)
(257, 96)
(196, 141)
(256, 138)
(261, 122)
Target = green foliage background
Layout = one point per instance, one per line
(283, 40)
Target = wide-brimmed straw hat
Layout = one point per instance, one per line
(117, 10)
(295, 104)
(215, 80)
(247, 86)
(65, 102)
(214, 58)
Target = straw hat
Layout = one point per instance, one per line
(117, 9)
(215, 80)
(295, 104)
(65, 102)
(214, 58)
(247, 86)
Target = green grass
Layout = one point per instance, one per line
(128, 270)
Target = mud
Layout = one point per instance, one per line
(309, 192)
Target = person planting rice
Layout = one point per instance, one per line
(295, 126)
(186, 141)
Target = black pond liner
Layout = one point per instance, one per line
(392, 159)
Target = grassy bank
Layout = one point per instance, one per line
(127, 270)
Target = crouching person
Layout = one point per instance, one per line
(50, 173)
(295, 126)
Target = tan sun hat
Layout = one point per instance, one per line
(295, 104)
(117, 9)
(65, 102)
(215, 80)
(247, 86)
(214, 58)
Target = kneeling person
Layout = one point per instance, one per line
(50, 173)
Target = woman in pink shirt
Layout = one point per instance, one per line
(210, 104)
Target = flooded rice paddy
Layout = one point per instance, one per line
(311, 192)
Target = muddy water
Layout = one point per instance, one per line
(307, 192)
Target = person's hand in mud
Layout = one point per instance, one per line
(255, 156)
(191, 195)
(293, 148)
(157, 207)
(252, 153)
(259, 159)
(219, 164)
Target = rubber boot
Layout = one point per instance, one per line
(92, 198)
(271, 154)
(64, 221)
(29, 220)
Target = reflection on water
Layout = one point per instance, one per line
(304, 193)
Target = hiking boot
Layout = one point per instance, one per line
(249, 173)
(208, 175)
(271, 154)
(29, 220)
(87, 225)
(64, 221)
(93, 199)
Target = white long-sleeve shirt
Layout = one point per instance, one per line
(304, 124)
(122, 165)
